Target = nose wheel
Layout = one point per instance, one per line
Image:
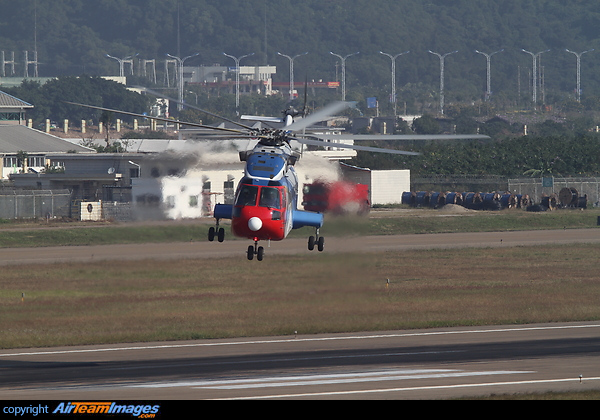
(317, 240)
(253, 250)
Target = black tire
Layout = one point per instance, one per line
(260, 253)
(221, 235)
(250, 252)
(211, 234)
(311, 243)
(321, 243)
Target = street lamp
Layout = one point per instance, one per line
(237, 77)
(578, 55)
(442, 59)
(180, 62)
(343, 60)
(488, 57)
(139, 167)
(122, 62)
(292, 71)
(535, 58)
(393, 58)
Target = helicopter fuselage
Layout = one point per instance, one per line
(265, 206)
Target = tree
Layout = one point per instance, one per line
(426, 124)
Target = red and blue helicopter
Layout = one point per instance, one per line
(265, 207)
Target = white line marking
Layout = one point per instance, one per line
(294, 340)
(421, 388)
(352, 379)
(286, 379)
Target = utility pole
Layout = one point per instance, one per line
(237, 78)
(343, 60)
(180, 62)
(292, 71)
(534, 83)
(578, 55)
(488, 57)
(393, 58)
(122, 62)
(442, 59)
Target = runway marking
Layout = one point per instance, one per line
(293, 340)
(420, 388)
(325, 379)
(357, 378)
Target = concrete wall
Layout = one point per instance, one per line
(387, 186)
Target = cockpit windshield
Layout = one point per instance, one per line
(269, 197)
(247, 196)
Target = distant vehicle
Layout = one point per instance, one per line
(338, 197)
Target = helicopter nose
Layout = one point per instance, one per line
(254, 224)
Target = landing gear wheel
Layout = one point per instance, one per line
(321, 243)
(311, 243)
(253, 250)
(317, 240)
(211, 234)
(220, 235)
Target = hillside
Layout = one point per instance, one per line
(73, 36)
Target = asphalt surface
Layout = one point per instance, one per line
(427, 364)
(417, 364)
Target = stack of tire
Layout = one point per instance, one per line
(470, 200)
(566, 198)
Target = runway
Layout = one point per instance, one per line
(232, 248)
(417, 364)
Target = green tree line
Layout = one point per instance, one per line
(557, 154)
(50, 99)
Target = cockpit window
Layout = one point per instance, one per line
(247, 196)
(269, 197)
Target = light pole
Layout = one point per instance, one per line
(442, 59)
(122, 62)
(139, 168)
(237, 77)
(343, 60)
(292, 71)
(393, 58)
(578, 55)
(488, 57)
(535, 58)
(180, 62)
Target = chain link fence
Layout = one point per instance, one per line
(537, 188)
(34, 204)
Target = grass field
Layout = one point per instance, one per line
(67, 304)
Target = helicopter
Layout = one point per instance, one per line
(265, 206)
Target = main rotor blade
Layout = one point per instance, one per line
(403, 136)
(311, 142)
(318, 116)
(116, 111)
